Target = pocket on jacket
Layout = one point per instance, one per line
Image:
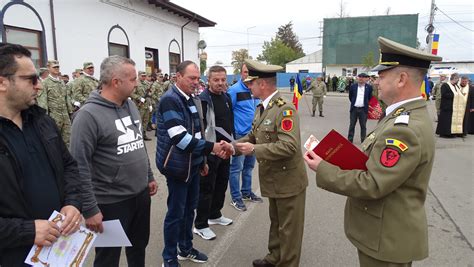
(364, 222)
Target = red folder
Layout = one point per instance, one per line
(337, 150)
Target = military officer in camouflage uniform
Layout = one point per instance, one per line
(43, 73)
(142, 98)
(385, 216)
(84, 85)
(57, 105)
(275, 140)
(157, 90)
(318, 87)
(437, 92)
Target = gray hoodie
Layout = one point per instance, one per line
(107, 142)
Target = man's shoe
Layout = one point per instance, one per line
(171, 263)
(262, 263)
(238, 204)
(313, 114)
(193, 255)
(221, 221)
(205, 233)
(146, 138)
(252, 198)
(321, 114)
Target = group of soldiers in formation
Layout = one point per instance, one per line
(61, 98)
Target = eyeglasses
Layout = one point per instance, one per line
(33, 78)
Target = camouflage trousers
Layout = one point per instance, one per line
(145, 116)
(64, 124)
(318, 101)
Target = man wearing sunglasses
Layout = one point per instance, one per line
(38, 175)
(58, 106)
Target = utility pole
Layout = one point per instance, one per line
(430, 28)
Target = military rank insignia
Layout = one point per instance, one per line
(288, 113)
(287, 124)
(398, 112)
(389, 157)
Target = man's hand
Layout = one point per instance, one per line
(245, 148)
(205, 170)
(222, 149)
(228, 149)
(46, 232)
(312, 160)
(153, 186)
(94, 223)
(72, 220)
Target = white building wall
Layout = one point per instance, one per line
(331, 70)
(82, 29)
(311, 67)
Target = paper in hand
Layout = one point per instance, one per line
(311, 143)
(225, 134)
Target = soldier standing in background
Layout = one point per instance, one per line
(318, 87)
(57, 105)
(142, 98)
(84, 85)
(157, 90)
(43, 73)
(437, 93)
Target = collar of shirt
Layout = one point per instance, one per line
(184, 94)
(267, 100)
(392, 107)
(56, 79)
(85, 74)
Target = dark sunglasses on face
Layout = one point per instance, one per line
(33, 78)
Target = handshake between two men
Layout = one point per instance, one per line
(224, 149)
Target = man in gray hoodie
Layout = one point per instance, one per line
(108, 145)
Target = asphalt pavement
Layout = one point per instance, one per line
(449, 207)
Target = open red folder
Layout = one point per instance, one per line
(336, 149)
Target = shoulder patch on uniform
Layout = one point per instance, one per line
(288, 113)
(287, 124)
(398, 112)
(402, 118)
(396, 143)
(389, 157)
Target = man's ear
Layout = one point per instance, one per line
(4, 83)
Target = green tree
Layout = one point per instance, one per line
(238, 58)
(288, 37)
(277, 53)
(368, 60)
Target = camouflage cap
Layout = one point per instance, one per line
(42, 70)
(393, 54)
(53, 63)
(78, 70)
(141, 73)
(260, 70)
(87, 65)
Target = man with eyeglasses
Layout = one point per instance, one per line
(84, 85)
(38, 175)
(58, 106)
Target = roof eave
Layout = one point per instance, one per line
(180, 11)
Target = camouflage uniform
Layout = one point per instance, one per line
(143, 99)
(82, 87)
(41, 99)
(319, 91)
(157, 90)
(57, 105)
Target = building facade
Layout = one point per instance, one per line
(154, 33)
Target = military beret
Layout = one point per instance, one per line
(53, 63)
(393, 54)
(260, 70)
(87, 65)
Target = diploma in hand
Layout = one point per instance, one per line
(68, 250)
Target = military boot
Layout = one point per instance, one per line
(313, 113)
(320, 114)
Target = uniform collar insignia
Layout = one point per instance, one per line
(398, 112)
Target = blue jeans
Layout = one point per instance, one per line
(182, 202)
(241, 164)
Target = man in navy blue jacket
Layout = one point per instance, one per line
(359, 95)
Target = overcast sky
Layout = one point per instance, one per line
(261, 20)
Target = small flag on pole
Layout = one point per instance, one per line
(297, 91)
(434, 45)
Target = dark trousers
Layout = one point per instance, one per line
(134, 215)
(182, 201)
(358, 113)
(212, 191)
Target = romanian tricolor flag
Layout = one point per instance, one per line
(425, 88)
(434, 44)
(297, 91)
(397, 143)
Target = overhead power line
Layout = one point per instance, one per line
(453, 20)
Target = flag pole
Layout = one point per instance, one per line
(307, 104)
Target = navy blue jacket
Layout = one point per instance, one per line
(353, 96)
(180, 148)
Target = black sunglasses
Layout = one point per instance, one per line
(34, 78)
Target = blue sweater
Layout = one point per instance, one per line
(243, 105)
(180, 147)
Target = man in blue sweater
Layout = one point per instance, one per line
(180, 157)
(243, 106)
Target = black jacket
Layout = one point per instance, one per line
(17, 228)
